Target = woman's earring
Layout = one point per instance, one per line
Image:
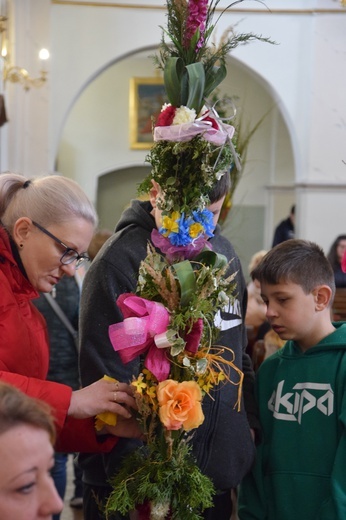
(21, 246)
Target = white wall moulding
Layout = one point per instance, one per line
(321, 186)
(270, 7)
(308, 186)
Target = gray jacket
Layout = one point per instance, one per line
(222, 445)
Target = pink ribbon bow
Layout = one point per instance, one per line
(143, 329)
(187, 131)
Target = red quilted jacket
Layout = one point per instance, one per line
(24, 355)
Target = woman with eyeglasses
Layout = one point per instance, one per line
(46, 226)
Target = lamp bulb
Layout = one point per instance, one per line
(43, 54)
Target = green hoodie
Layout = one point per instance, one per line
(300, 469)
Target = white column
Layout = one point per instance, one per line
(26, 133)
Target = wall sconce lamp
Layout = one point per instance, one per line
(16, 74)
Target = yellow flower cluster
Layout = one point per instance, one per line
(145, 386)
(209, 379)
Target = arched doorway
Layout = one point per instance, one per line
(95, 149)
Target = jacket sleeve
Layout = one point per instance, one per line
(102, 285)
(79, 435)
(222, 245)
(58, 396)
(249, 374)
(73, 435)
(249, 399)
(251, 501)
(336, 506)
(252, 498)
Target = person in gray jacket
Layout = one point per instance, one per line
(223, 445)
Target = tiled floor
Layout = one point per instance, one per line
(69, 513)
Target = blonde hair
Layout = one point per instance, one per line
(18, 408)
(51, 199)
(255, 259)
(97, 241)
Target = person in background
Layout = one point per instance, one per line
(299, 471)
(63, 365)
(262, 339)
(335, 255)
(255, 319)
(285, 230)
(27, 435)
(256, 308)
(46, 227)
(99, 238)
(223, 445)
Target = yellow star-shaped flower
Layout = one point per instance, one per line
(151, 393)
(139, 384)
(220, 377)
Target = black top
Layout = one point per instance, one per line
(284, 231)
(63, 356)
(340, 277)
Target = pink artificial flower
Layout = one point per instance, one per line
(212, 121)
(193, 338)
(197, 16)
(166, 116)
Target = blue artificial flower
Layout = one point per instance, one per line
(205, 217)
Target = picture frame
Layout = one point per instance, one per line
(147, 95)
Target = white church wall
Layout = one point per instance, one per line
(306, 71)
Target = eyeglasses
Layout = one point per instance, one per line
(70, 255)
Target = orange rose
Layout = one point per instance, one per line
(180, 404)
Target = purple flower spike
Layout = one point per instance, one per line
(198, 10)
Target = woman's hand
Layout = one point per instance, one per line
(128, 428)
(102, 396)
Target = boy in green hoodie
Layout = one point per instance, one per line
(300, 472)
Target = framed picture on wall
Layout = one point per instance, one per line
(147, 95)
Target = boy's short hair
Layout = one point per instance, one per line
(298, 261)
(220, 188)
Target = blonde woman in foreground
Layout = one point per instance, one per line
(46, 227)
(27, 434)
